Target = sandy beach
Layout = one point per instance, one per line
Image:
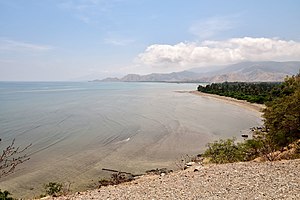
(242, 103)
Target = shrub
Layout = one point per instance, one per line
(116, 178)
(224, 151)
(251, 149)
(5, 195)
(105, 182)
(53, 188)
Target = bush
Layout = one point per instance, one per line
(228, 151)
(224, 151)
(105, 182)
(5, 195)
(53, 189)
(116, 178)
(251, 149)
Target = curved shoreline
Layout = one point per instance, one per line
(241, 103)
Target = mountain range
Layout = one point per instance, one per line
(268, 71)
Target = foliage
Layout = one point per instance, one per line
(5, 195)
(251, 92)
(11, 157)
(282, 115)
(228, 151)
(105, 182)
(116, 178)
(224, 151)
(252, 148)
(53, 188)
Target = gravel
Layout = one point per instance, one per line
(248, 180)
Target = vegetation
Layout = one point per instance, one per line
(280, 132)
(5, 195)
(282, 115)
(53, 188)
(116, 178)
(251, 92)
(224, 151)
(11, 157)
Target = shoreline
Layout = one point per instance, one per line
(242, 103)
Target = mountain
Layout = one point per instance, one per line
(183, 76)
(245, 71)
(174, 76)
(108, 80)
(253, 72)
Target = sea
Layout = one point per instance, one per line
(78, 128)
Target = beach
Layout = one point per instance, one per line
(242, 103)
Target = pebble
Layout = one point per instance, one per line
(248, 180)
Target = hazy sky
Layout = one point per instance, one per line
(66, 39)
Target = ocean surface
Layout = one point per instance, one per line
(76, 129)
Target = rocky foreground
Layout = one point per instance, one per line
(249, 180)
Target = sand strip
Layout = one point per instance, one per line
(242, 103)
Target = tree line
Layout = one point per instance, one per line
(260, 92)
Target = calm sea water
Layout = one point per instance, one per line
(76, 129)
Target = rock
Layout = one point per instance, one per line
(189, 164)
(248, 180)
(197, 168)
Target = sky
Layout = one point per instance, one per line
(63, 40)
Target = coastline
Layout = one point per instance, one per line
(241, 103)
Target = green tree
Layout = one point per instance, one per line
(252, 92)
(282, 115)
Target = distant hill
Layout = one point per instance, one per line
(246, 71)
(253, 72)
(183, 76)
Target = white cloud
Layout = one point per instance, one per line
(186, 55)
(13, 45)
(210, 27)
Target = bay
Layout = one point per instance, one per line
(78, 128)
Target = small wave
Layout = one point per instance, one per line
(122, 141)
